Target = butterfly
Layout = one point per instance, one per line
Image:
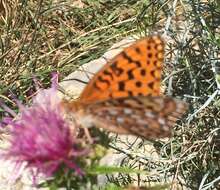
(124, 95)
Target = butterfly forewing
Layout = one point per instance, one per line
(135, 71)
(145, 116)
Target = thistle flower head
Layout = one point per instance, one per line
(40, 135)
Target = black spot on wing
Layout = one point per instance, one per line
(155, 63)
(130, 74)
(138, 51)
(138, 84)
(121, 85)
(103, 80)
(143, 72)
(130, 60)
(115, 69)
(106, 72)
(138, 63)
(125, 56)
(149, 55)
(130, 93)
(140, 94)
(153, 73)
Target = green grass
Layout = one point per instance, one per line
(38, 37)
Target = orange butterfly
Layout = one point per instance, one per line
(124, 96)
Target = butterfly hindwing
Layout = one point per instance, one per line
(145, 116)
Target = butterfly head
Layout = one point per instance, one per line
(70, 106)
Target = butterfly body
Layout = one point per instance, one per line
(124, 96)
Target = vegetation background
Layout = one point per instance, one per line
(38, 37)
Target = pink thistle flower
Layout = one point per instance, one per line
(40, 135)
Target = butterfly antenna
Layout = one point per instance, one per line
(78, 80)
